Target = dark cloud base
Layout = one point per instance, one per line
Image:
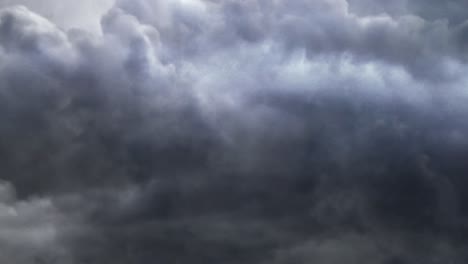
(235, 132)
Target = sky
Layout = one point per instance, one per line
(236, 131)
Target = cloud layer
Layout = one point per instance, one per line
(193, 131)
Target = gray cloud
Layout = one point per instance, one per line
(30, 230)
(233, 132)
(68, 15)
(451, 10)
(320, 27)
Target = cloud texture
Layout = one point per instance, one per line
(205, 131)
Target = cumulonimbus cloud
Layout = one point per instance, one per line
(198, 131)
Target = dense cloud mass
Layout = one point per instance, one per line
(239, 131)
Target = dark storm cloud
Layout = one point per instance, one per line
(198, 131)
(65, 92)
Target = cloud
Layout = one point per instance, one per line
(233, 131)
(30, 229)
(430, 10)
(319, 27)
(85, 15)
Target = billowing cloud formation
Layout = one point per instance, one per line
(192, 131)
(85, 14)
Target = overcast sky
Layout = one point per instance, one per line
(237, 131)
